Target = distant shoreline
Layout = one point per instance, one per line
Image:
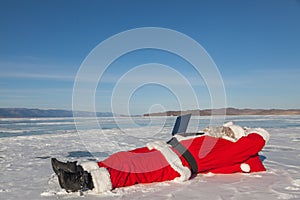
(40, 113)
(55, 113)
(228, 111)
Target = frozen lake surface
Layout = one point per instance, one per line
(26, 146)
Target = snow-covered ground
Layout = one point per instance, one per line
(26, 147)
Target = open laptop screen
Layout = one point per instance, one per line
(181, 124)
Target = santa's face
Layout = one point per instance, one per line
(226, 131)
(220, 132)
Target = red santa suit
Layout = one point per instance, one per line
(159, 161)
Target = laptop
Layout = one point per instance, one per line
(181, 125)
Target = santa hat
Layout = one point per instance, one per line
(237, 130)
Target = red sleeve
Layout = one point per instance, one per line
(244, 148)
(253, 164)
(226, 154)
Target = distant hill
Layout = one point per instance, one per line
(27, 112)
(229, 111)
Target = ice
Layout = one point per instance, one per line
(26, 172)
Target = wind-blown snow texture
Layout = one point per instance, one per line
(26, 146)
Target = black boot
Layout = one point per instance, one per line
(73, 182)
(67, 167)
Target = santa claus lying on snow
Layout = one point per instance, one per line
(234, 149)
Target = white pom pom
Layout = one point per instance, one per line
(245, 167)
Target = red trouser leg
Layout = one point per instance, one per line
(138, 166)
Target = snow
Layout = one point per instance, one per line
(26, 172)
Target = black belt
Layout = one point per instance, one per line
(185, 153)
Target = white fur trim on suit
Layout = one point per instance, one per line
(260, 131)
(100, 176)
(172, 158)
(245, 167)
(101, 180)
(182, 138)
(89, 166)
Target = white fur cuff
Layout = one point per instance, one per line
(101, 180)
(89, 166)
(100, 176)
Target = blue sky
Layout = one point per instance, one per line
(255, 45)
